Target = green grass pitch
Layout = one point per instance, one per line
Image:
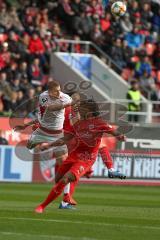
(104, 212)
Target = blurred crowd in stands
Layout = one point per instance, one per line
(28, 33)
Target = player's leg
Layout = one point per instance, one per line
(62, 179)
(68, 195)
(61, 156)
(108, 161)
(78, 169)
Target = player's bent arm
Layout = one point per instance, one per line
(118, 135)
(60, 106)
(62, 141)
(75, 119)
(24, 126)
(109, 129)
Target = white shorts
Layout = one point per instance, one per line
(39, 136)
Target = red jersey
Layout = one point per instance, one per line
(87, 137)
(66, 125)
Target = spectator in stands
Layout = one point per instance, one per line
(147, 83)
(134, 96)
(1, 103)
(142, 66)
(83, 25)
(126, 24)
(134, 39)
(65, 12)
(23, 70)
(5, 55)
(146, 13)
(77, 7)
(13, 45)
(96, 35)
(14, 18)
(156, 21)
(133, 9)
(156, 56)
(31, 104)
(25, 85)
(116, 28)
(42, 18)
(4, 85)
(36, 47)
(49, 44)
(57, 32)
(35, 72)
(127, 53)
(21, 100)
(2, 62)
(16, 85)
(5, 20)
(105, 22)
(77, 47)
(12, 103)
(94, 9)
(117, 53)
(12, 71)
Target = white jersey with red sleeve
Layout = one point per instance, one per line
(49, 119)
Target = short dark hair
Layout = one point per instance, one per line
(83, 96)
(92, 106)
(52, 84)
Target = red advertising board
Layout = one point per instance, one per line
(6, 127)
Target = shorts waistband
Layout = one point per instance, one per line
(50, 131)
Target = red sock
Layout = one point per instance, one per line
(106, 157)
(72, 187)
(54, 193)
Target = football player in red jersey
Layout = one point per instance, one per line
(88, 131)
(71, 116)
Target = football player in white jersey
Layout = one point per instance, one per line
(52, 104)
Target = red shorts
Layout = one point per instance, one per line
(78, 169)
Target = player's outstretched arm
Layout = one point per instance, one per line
(60, 106)
(24, 126)
(118, 135)
(62, 141)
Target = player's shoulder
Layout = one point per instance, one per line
(101, 122)
(43, 98)
(44, 94)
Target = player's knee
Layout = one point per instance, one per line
(57, 177)
(72, 177)
(69, 177)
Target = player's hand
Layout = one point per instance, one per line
(121, 137)
(44, 146)
(19, 128)
(75, 108)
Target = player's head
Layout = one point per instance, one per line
(89, 108)
(77, 96)
(54, 89)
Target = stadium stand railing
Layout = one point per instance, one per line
(150, 110)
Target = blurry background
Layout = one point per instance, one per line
(79, 42)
